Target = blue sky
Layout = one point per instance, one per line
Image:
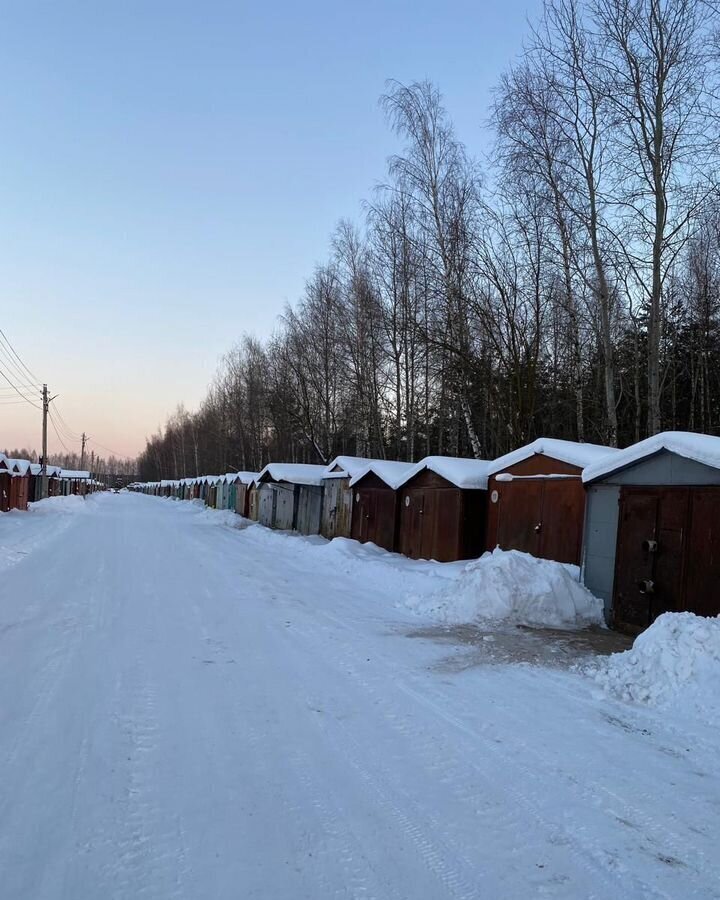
(170, 174)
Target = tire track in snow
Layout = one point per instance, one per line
(618, 880)
(149, 849)
(670, 844)
(456, 872)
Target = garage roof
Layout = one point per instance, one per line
(342, 466)
(392, 473)
(293, 473)
(702, 448)
(463, 473)
(571, 452)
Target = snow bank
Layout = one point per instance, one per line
(223, 517)
(70, 505)
(376, 570)
(502, 585)
(24, 533)
(516, 587)
(675, 663)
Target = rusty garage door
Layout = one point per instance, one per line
(703, 564)
(542, 516)
(519, 514)
(375, 516)
(668, 554)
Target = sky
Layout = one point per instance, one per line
(171, 173)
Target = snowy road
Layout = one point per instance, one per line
(195, 711)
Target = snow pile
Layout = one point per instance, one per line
(513, 586)
(227, 518)
(676, 662)
(69, 505)
(382, 571)
(379, 572)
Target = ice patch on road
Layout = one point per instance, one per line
(674, 664)
(516, 587)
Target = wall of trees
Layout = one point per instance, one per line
(570, 289)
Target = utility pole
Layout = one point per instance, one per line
(43, 471)
(45, 408)
(82, 452)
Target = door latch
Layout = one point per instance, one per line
(650, 546)
(646, 586)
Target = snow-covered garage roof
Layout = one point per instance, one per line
(571, 452)
(18, 466)
(392, 473)
(36, 469)
(242, 477)
(344, 466)
(702, 448)
(463, 473)
(293, 473)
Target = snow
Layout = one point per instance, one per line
(463, 473)
(191, 710)
(17, 466)
(293, 473)
(570, 452)
(508, 476)
(52, 471)
(516, 587)
(23, 532)
(388, 471)
(242, 477)
(673, 664)
(702, 448)
(74, 475)
(347, 466)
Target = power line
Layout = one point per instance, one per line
(14, 370)
(67, 433)
(18, 391)
(4, 337)
(106, 449)
(24, 385)
(72, 435)
(52, 422)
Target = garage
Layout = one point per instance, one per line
(652, 536)
(536, 498)
(375, 503)
(290, 496)
(338, 495)
(443, 509)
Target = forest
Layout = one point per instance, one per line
(568, 285)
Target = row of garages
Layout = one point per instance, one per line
(643, 523)
(21, 483)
